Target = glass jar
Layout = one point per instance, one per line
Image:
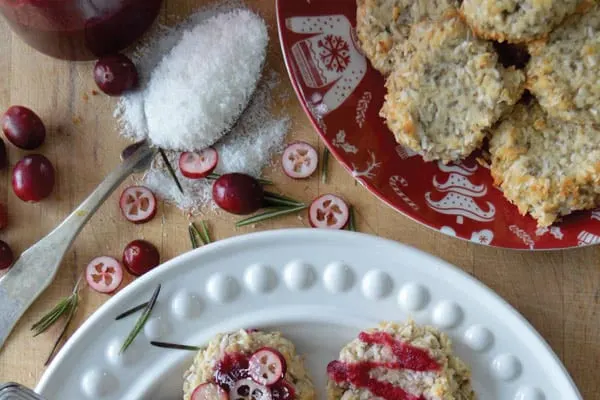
(79, 29)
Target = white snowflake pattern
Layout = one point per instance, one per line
(368, 171)
(335, 53)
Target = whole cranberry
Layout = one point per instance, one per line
(3, 216)
(140, 257)
(3, 155)
(238, 193)
(6, 255)
(115, 74)
(23, 128)
(33, 178)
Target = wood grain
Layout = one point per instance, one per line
(558, 292)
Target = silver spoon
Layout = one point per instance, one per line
(37, 266)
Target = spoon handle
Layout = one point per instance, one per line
(37, 266)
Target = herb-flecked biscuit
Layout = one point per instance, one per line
(391, 372)
(546, 167)
(516, 20)
(564, 72)
(443, 98)
(235, 348)
(383, 24)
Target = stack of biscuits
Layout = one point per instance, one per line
(524, 74)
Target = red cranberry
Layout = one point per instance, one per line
(33, 178)
(140, 257)
(115, 74)
(3, 216)
(3, 155)
(6, 256)
(23, 128)
(238, 193)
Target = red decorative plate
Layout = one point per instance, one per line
(342, 95)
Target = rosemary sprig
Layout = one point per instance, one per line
(205, 235)
(141, 321)
(63, 307)
(133, 310)
(166, 345)
(276, 212)
(195, 236)
(277, 200)
(325, 165)
(170, 168)
(351, 220)
(264, 182)
(63, 333)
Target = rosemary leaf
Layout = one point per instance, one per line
(325, 165)
(133, 310)
(197, 235)
(166, 345)
(264, 182)
(282, 197)
(193, 237)
(277, 212)
(351, 220)
(51, 317)
(205, 234)
(141, 321)
(171, 170)
(73, 307)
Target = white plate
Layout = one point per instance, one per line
(320, 288)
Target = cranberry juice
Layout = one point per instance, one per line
(79, 29)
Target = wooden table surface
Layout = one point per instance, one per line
(558, 292)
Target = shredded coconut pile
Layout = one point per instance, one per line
(256, 136)
(200, 88)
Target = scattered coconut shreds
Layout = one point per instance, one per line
(248, 148)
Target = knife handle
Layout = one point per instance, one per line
(37, 266)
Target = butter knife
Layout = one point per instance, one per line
(37, 266)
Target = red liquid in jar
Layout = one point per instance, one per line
(79, 29)
(405, 357)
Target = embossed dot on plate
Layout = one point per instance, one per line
(298, 275)
(413, 297)
(222, 288)
(376, 285)
(260, 278)
(478, 338)
(186, 305)
(338, 277)
(447, 314)
(156, 328)
(98, 383)
(529, 393)
(506, 367)
(127, 358)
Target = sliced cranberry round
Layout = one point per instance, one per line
(247, 389)
(104, 274)
(209, 391)
(140, 257)
(229, 370)
(198, 164)
(329, 212)
(283, 390)
(138, 204)
(23, 128)
(267, 366)
(3, 216)
(33, 178)
(3, 155)
(115, 74)
(299, 160)
(238, 193)
(6, 255)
